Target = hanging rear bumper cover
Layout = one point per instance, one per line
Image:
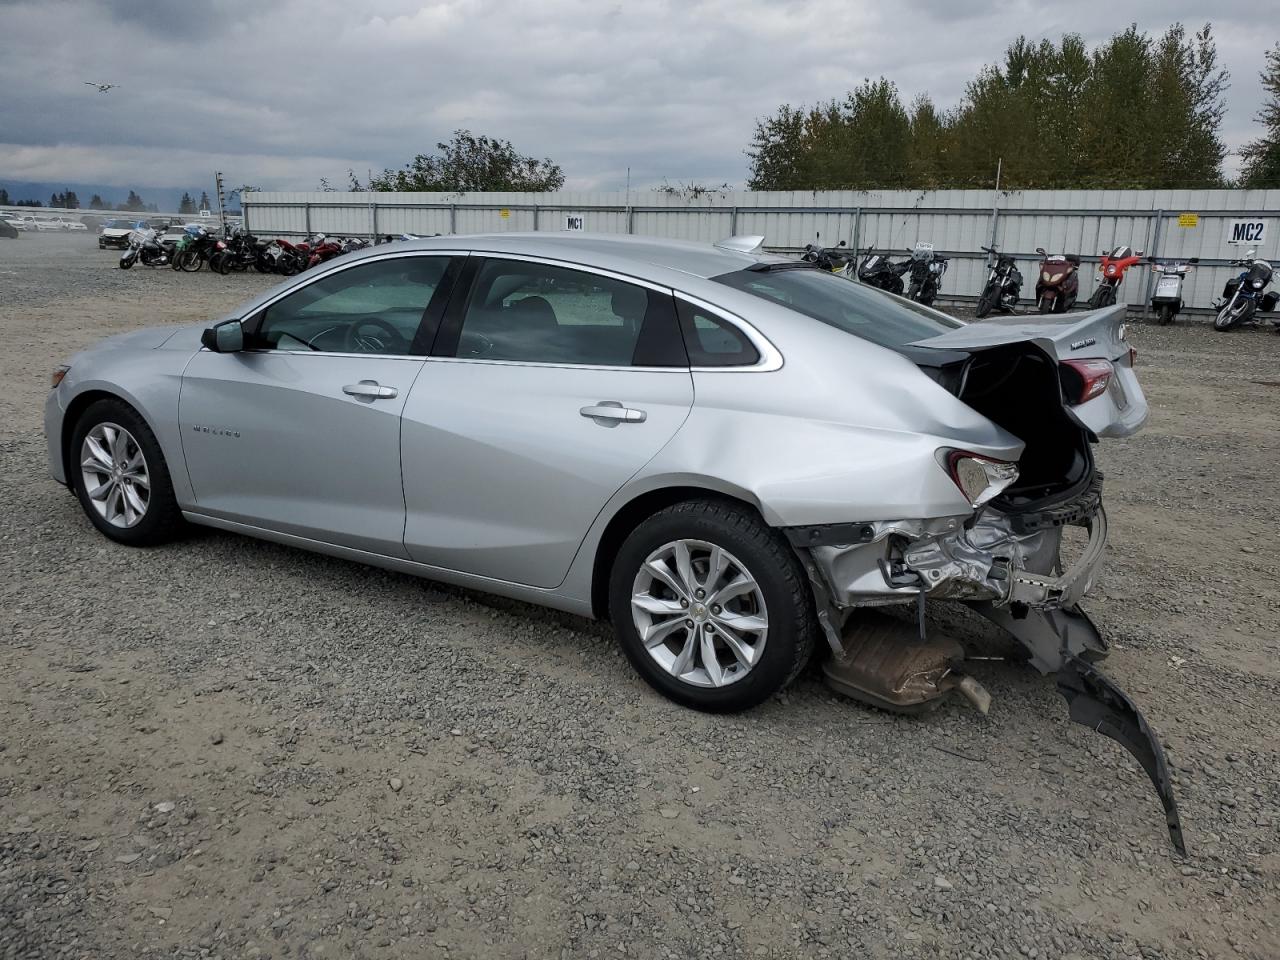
(1001, 566)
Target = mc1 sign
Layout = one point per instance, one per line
(1249, 233)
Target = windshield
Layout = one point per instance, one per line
(119, 225)
(852, 307)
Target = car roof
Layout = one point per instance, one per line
(625, 253)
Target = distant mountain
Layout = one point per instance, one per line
(167, 199)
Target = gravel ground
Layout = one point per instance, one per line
(226, 748)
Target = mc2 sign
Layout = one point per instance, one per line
(1247, 233)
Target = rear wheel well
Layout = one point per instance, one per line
(631, 516)
(72, 416)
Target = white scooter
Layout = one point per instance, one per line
(1166, 301)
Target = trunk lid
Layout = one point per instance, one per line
(1119, 411)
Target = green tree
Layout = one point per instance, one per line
(133, 203)
(186, 204)
(4, 197)
(204, 201)
(1262, 156)
(71, 201)
(58, 200)
(96, 203)
(469, 163)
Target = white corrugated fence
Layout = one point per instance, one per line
(1167, 224)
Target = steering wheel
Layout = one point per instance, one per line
(472, 344)
(357, 342)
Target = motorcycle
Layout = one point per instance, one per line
(193, 248)
(1111, 273)
(1166, 301)
(1243, 296)
(1003, 286)
(242, 251)
(877, 270)
(286, 258)
(834, 260)
(322, 248)
(926, 269)
(1059, 282)
(143, 248)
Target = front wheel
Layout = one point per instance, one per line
(1233, 314)
(1164, 316)
(711, 606)
(126, 263)
(120, 476)
(1046, 305)
(986, 302)
(191, 262)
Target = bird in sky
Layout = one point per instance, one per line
(102, 87)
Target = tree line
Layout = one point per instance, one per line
(1137, 111)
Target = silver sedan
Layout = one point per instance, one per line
(735, 457)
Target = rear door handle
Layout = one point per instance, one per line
(369, 390)
(610, 413)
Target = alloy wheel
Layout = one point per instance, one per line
(114, 470)
(699, 613)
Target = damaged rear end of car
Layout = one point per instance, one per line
(1027, 539)
(1058, 386)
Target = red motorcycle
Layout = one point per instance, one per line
(321, 249)
(1111, 273)
(1059, 281)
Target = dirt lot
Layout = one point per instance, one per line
(231, 749)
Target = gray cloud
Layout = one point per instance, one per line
(284, 93)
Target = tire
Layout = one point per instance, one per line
(986, 302)
(913, 292)
(190, 262)
(1228, 319)
(161, 520)
(781, 593)
(126, 263)
(1164, 316)
(1046, 306)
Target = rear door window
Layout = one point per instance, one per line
(529, 312)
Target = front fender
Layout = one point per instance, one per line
(148, 380)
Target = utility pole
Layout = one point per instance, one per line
(222, 204)
(995, 201)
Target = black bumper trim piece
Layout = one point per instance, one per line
(1095, 702)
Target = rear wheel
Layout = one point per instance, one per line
(120, 476)
(711, 606)
(1165, 315)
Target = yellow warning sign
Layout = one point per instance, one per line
(1188, 219)
(505, 214)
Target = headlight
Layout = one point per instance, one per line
(1111, 270)
(1055, 278)
(59, 372)
(1257, 284)
(1044, 275)
(980, 479)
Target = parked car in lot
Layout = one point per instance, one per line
(47, 224)
(115, 233)
(7, 229)
(16, 221)
(734, 457)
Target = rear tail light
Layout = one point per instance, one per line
(980, 479)
(1083, 380)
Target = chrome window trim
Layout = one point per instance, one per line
(770, 357)
(559, 366)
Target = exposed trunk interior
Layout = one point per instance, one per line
(1017, 386)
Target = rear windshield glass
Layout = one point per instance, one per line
(844, 304)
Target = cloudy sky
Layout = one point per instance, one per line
(282, 93)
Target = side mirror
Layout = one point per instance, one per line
(840, 244)
(1139, 252)
(1040, 250)
(1194, 260)
(226, 337)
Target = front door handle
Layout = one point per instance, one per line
(610, 413)
(369, 390)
